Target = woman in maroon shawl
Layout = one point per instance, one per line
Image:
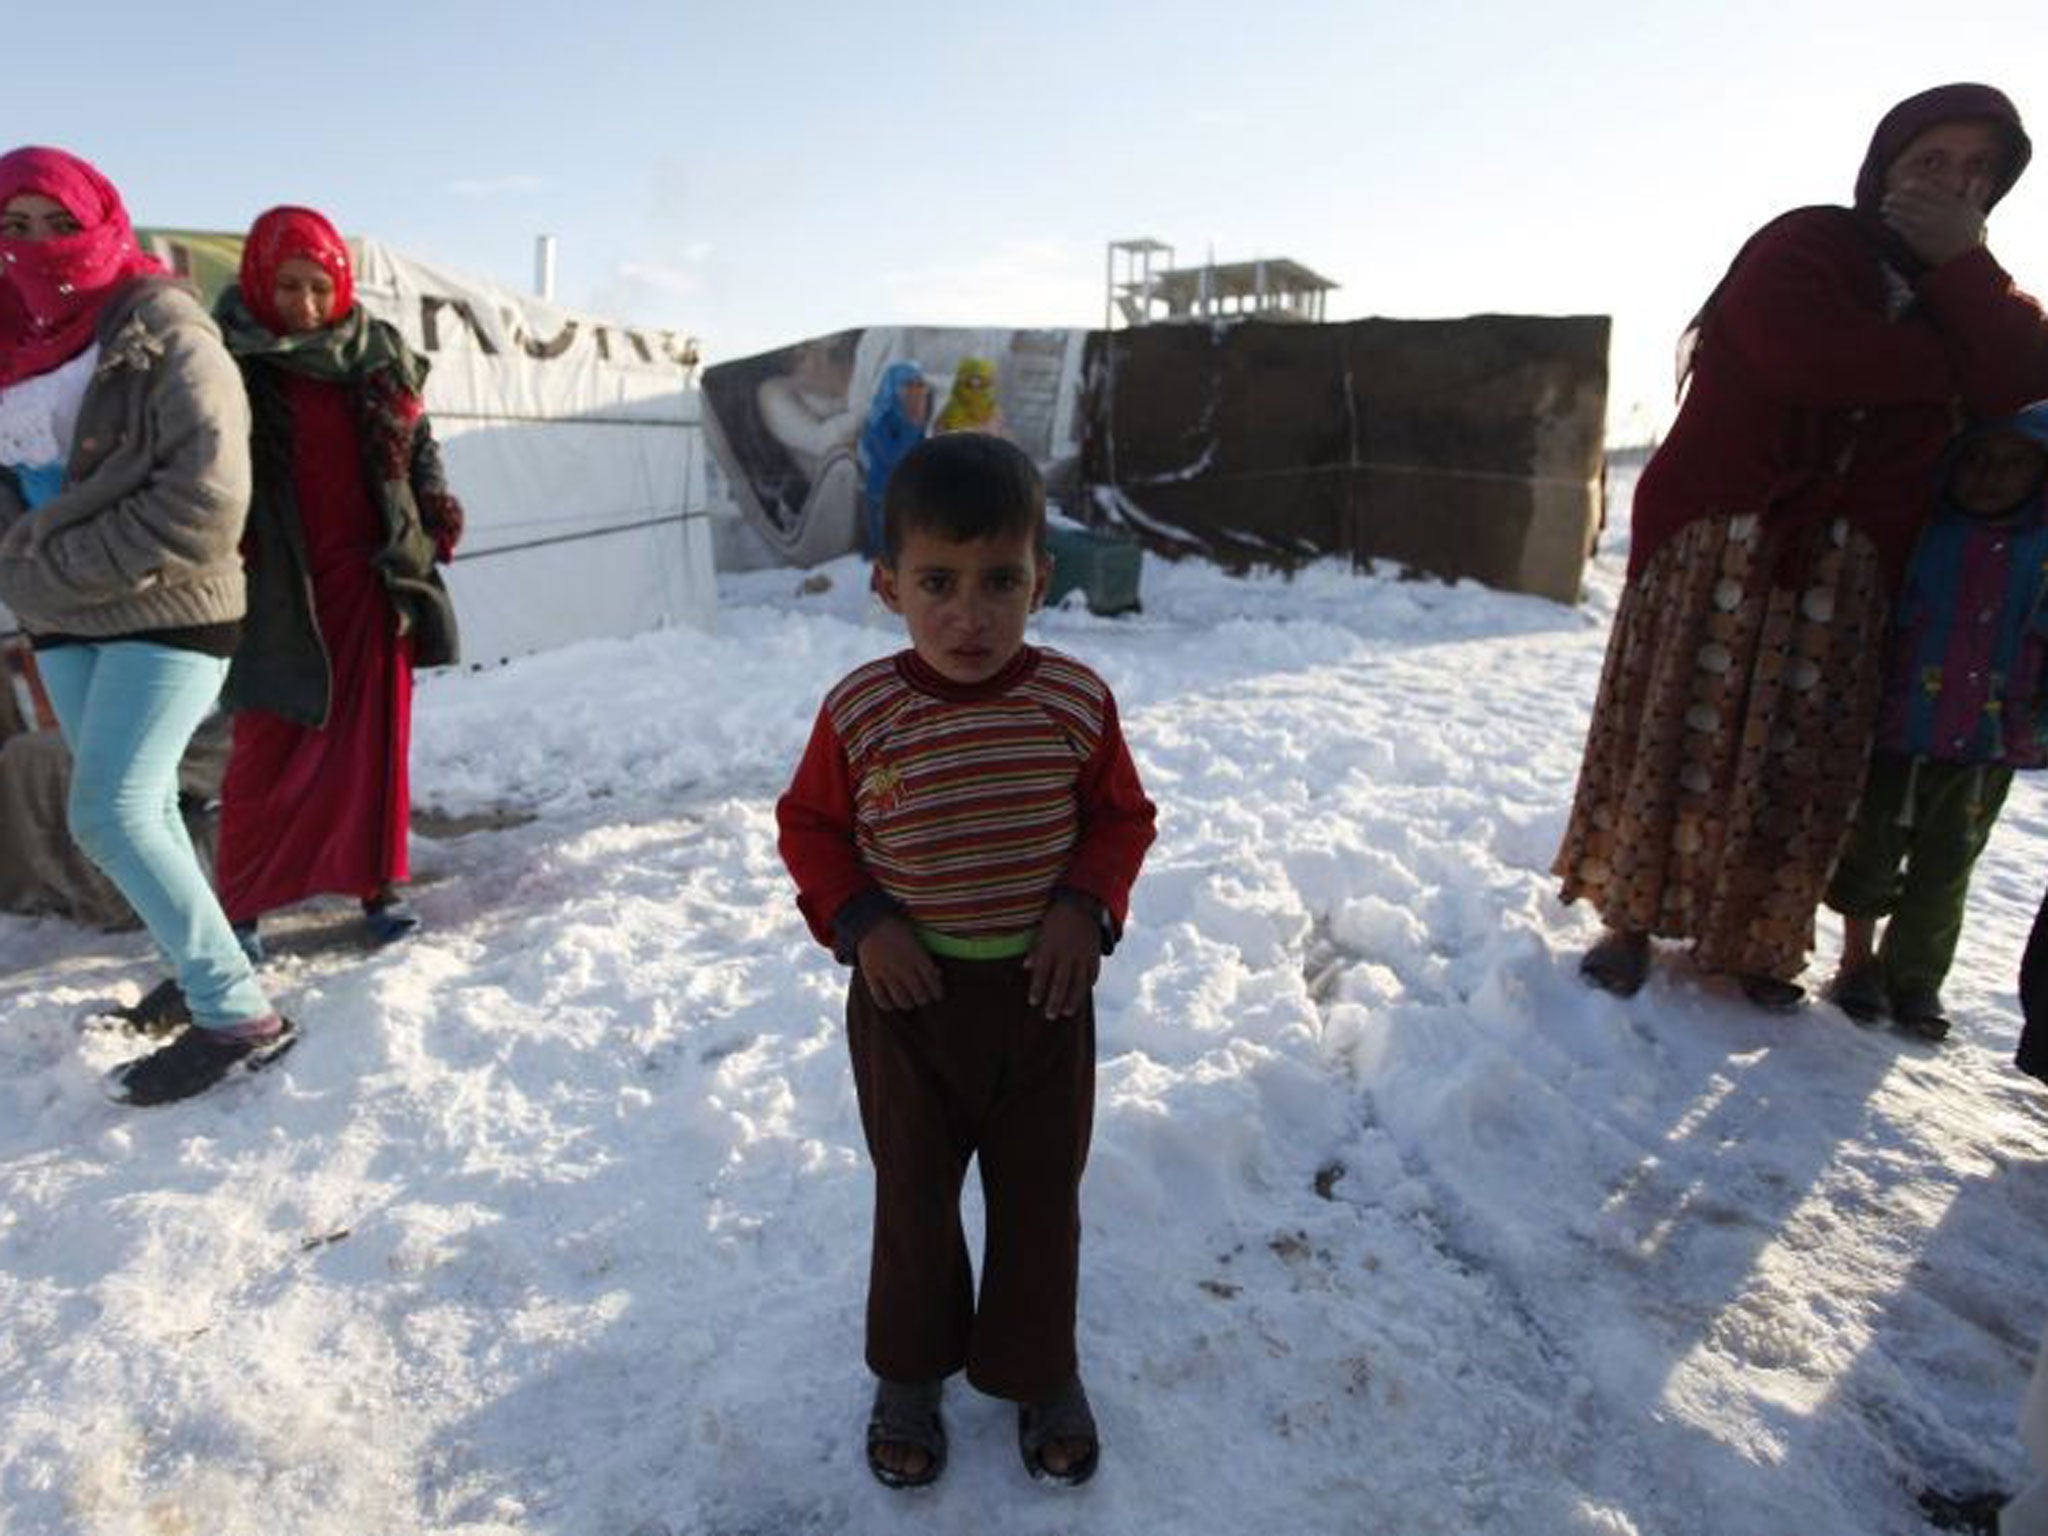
(1729, 736)
(349, 519)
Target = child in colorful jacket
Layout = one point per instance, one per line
(965, 827)
(1963, 708)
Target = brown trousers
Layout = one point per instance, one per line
(980, 1074)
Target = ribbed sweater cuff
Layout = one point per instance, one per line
(212, 600)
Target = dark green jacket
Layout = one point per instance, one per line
(282, 665)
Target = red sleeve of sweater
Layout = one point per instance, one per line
(1116, 822)
(1803, 312)
(1995, 334)
(815, 826)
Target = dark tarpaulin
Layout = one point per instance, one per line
(1461, 448)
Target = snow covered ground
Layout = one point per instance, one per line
(556, 1221)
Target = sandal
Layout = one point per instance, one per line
(199, 1058)
(162, 1010)
(1773, 995)
(1919, 1011)
(906, 1413)
(1063, 1416)
(1619, 963)
(1859, 991)
(390, 919)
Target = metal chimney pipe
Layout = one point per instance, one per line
(544, 266)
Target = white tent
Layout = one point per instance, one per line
(573, 444)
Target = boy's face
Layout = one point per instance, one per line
(965, 604)
(1995, 473)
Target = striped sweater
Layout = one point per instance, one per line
(964, 806)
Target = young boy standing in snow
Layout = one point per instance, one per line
(965, 828)
(1965, 703)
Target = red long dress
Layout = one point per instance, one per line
(309, 812)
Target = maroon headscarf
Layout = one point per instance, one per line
(1944, 104)
(284, 234)
(1895, 131)
(55, 289)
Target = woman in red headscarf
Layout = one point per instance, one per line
(349, 520)
(124, 481)
(1730, 733)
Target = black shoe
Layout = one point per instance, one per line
(1773, 995)
(1974, 1514)
(1619, 963)
(194, 1062)
(1919, 1011)
(390, 920)
(1859, 991)
(162, 1010)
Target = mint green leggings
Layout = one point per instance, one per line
(126, 709)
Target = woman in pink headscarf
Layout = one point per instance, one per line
(124, 481)
(349, 520)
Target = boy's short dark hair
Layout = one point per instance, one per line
(963, 486)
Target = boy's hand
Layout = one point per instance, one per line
(1064, 962)
(898, 970)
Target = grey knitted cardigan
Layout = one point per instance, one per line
(145, 533)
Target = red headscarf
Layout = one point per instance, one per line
(56, 288)
(286, 234)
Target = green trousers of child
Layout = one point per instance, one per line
(1919, 829)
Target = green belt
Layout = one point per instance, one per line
(1002, 946)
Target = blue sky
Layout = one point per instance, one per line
(756, 172)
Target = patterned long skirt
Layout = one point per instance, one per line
(1728, 743)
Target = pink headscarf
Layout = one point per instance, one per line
(281, 235)
(55, 289)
